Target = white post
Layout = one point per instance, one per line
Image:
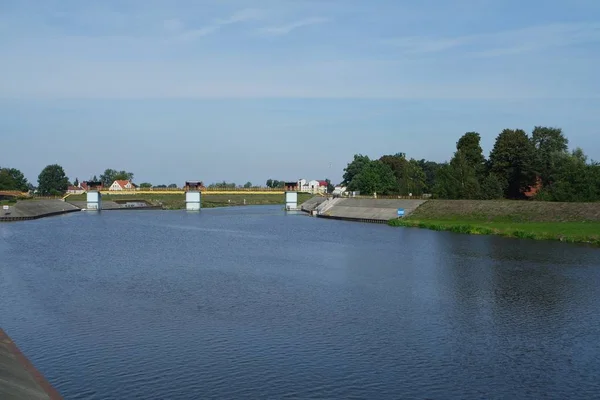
(94, 200)
(193, 200)
(291, 200)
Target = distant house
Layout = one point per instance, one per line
(291, 186)
(193, 185)
(339, 191)
(303, 185)
(122, 185)
(533, 190)
(91, 185)
(315, 186)
(75, 190)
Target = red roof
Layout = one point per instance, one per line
(122, 183)
(533, 190)
(322, 183)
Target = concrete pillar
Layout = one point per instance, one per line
(193, 200)
(94, 200)
(291, 200)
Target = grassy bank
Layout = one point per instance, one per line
(567, 222)
(177, 201)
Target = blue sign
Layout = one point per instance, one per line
(401, 212)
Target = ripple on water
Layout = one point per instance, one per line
(248, 303)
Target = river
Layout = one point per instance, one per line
(250, 302)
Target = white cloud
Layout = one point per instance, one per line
(248, 14)
(237, 17)
(505, 42)
(173, 25)
(285, 29)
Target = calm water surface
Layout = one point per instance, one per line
(251, 303)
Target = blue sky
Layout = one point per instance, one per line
(246, 90)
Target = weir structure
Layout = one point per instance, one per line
(291, 200)
(193, 195)
(94, 197)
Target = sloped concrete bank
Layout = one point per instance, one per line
(34, 209)
(19, 379)
(362, 210)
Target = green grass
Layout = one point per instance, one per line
(177, 201)
(572, 232)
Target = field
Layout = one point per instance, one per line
(177, 201)
(568, 222)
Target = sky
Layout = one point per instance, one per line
(243, 91)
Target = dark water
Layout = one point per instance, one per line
(251, 303)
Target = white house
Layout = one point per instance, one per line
(339, 191)
(75, 190)
(315, 186)
(302, 185)
(122, 185)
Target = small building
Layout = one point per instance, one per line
(317, 186)
(193, 186)
(291, 186)
(86, 185)
(122, 185)
(339, 191)
(75, 190)
(92, 185)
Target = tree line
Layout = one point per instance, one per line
(519, 166)
(53, 181)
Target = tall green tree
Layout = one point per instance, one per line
(76, 182)
(52, 180)
(550, 148)
(415, 178)
(429, 168)
(248, 185)
(512, 161)
(574, 179)
(400, 167)
(470, 146)
(355, 167)
(374, 177)
(491, 188)
(13, 179)
(458, 179)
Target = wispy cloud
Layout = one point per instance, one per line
(285, 29)
(173, 25)
(237, 17)
(505, 42)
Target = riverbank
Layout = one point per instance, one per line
(19, 379)
(566, 222)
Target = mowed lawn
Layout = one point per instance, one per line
(568, 222)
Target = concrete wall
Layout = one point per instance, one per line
(366, 209)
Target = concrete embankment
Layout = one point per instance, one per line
(19, 379)
(311, 204)
(33, 209)
(363, 210)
